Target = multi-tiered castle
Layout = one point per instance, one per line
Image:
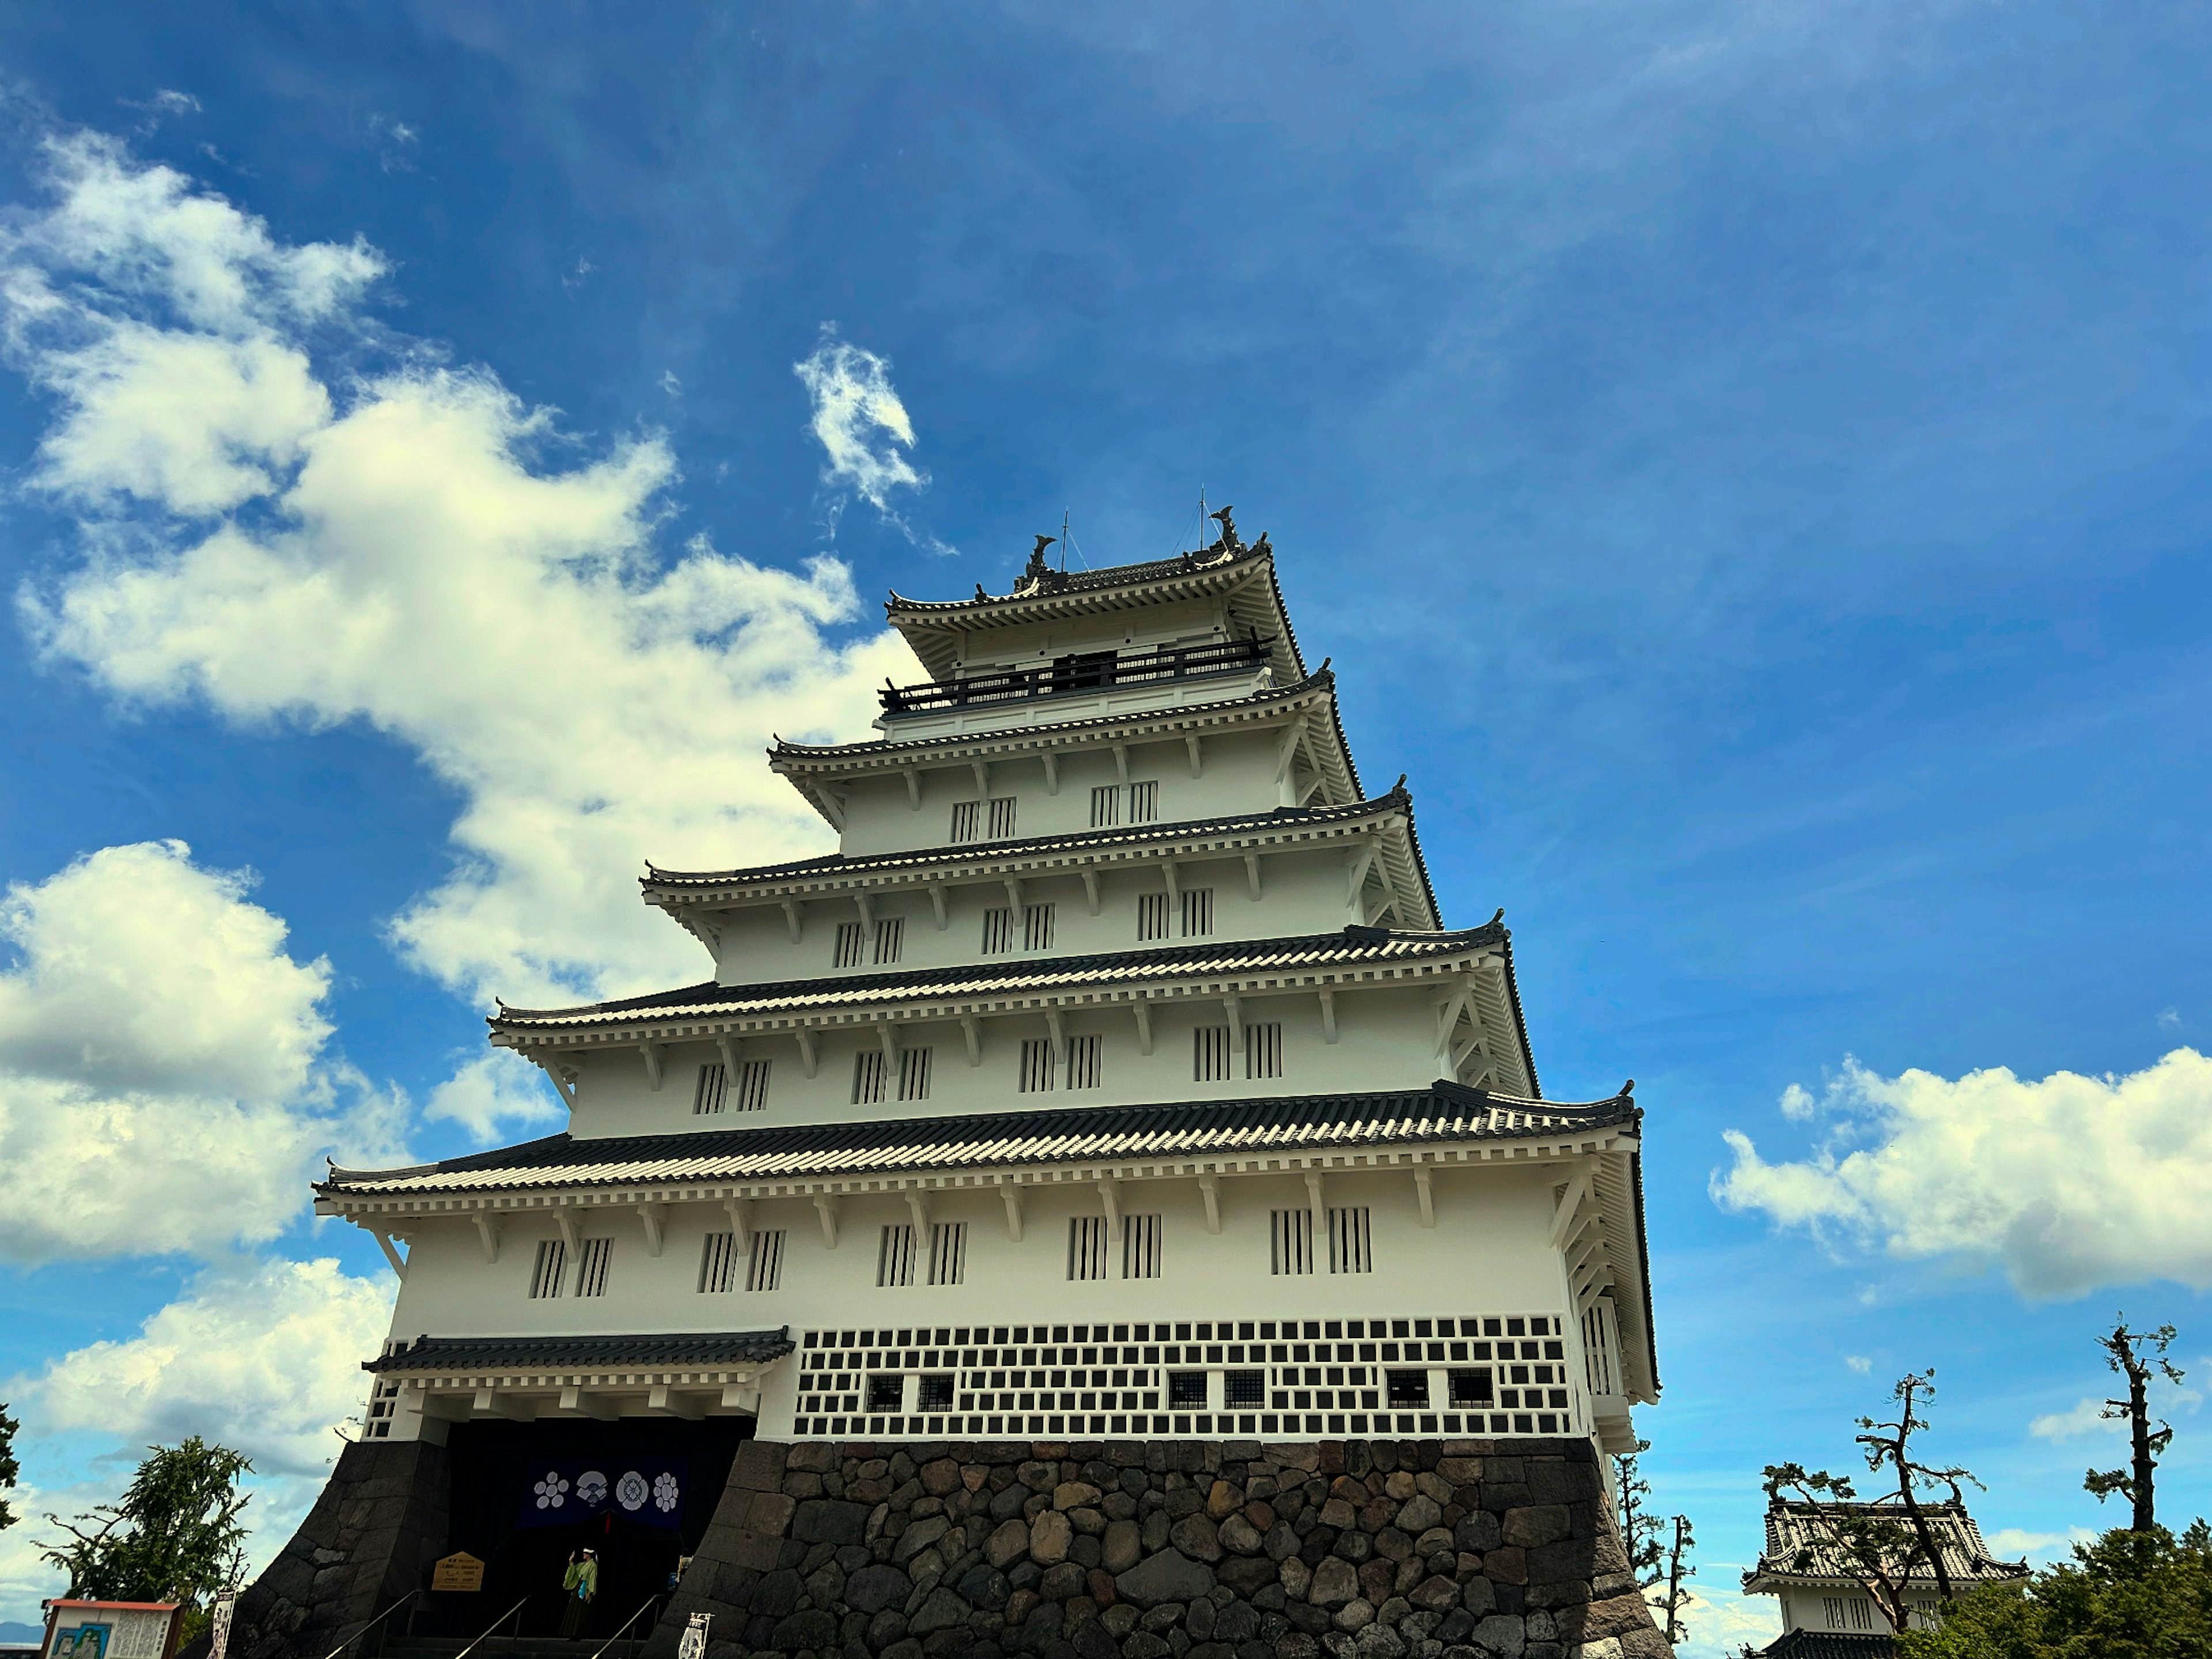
(1115, 1087)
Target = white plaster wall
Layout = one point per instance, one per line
(1385, 1040)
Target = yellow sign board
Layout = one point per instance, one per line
(457, 1572)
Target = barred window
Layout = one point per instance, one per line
(1002, 817)
(934, 1393)
(890, 938)
(998, 930)
(764, 1267)
(894, 1255)
(966, 820)
(1036, 926)
(913, 1073)
(887, 1394)
(1197, 912)
(1263, 1049)
(948, 1252)
(1187, 1390)
(752, 1086)
(1409, 1390)
(1144, 802)
(1141, 1247)
(592, 1273)
(1348, 1248)
(1151, 916)
(714, 1079)
(717, 1264)
(1105, 807)
(1248, 1389)
(551, 1270)
(1084, 1061)
(1291, 1238)
(1471, 1387)
(868, 1076)
(1036, 1065)
(1086, 1247)
(1209, 1054)
(848, 950)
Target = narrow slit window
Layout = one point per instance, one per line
(591, 1271)
(764, 1267)
(913, 1073)
(1141, 1247)
(1151, 916)
(868, 1076)
(1349, 1251)
(713, 1079)
(1209, 1055)
(549, 1271)
(895, 1256)
(1086, 1247)
(1263, 1049)
(847, 952)
(998, 930)
(967, 820)
(1197, 912)
(1144, 802)
(1085, 1061)
(1037, 1067)
(948, 1252)
(1036, 926)
(1105, 807)
(717, 1264)
(1290, 1236)
(1002, 817)
(890, 938)
(752, 1086)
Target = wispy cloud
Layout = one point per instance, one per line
(863, 431)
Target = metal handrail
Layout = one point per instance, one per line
(494, 1624)
(1167, 663)
(651, 1601)
(402, 1601)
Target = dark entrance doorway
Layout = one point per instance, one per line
(495, 1466)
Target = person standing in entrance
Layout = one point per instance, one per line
(578, 1586)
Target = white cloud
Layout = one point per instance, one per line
(2169, 1019)
(411, 560)
(1719, 1622)
(2087, 1416)
(1859, 1364)
(1796, 1103)
(160, 1078)
(859, 421)
(493, 1091)
(267, 1362)
(2012, 1544)
(2068, 1184)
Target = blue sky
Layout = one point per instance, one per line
(1747, 462)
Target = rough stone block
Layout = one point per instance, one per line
(829, 1521)
(1169, 1576)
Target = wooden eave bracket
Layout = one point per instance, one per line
(488, 1233)
(650, 1215)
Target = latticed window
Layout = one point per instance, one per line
(1209, 1054)
(1105, 807)
(1002, 817)
(966, 820)
(890, 938)
(1141, 1247)
(752, 1086)
(713, 1079)
(1197, 912)
(1085, 1061)
(1349, 1251)
(1409, 1390)
(1246, 1388)
(867, 1077)
(550, 1269)
(1086, 1247)
(948, 1252)
(1037, 1074)
(1036, 926)
(1144, 802)
(592, 1273)
(850, 944)
(1263, 1049)
(764, 1267)
(717, 1264)
(894, 1255)
(1151, 916)
(1471, 1387)
(998, 929)
(913, 1073)
(1290, 1242)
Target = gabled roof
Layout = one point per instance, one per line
(1793, 1531)
(1444, 1112)
(1829, 1644)
(834, 873)
(1245, 575)
(653, 1351)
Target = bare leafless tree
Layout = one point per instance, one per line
(1678, 1569)
(2137, 1355)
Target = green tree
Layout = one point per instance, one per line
(1677, 1597)
(174, 1537)
(9, 1468)
(2136, 1355)
(2128, 1596)
(1639, 1528)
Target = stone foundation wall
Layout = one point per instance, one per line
(1451, 1549)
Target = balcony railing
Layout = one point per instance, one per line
(1088, 672)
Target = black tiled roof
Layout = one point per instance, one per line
(1442, 1112)
(1054, 582)
(652, 1352)
(1829, 1644)
(1000, 975)
(1794, 1534)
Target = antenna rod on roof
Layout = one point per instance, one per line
(1063, 539)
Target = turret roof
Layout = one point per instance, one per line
(644, 1351)
(1800, 1550)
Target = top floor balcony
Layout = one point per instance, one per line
(1090, 671)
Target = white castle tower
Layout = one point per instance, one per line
(1116, 1077)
